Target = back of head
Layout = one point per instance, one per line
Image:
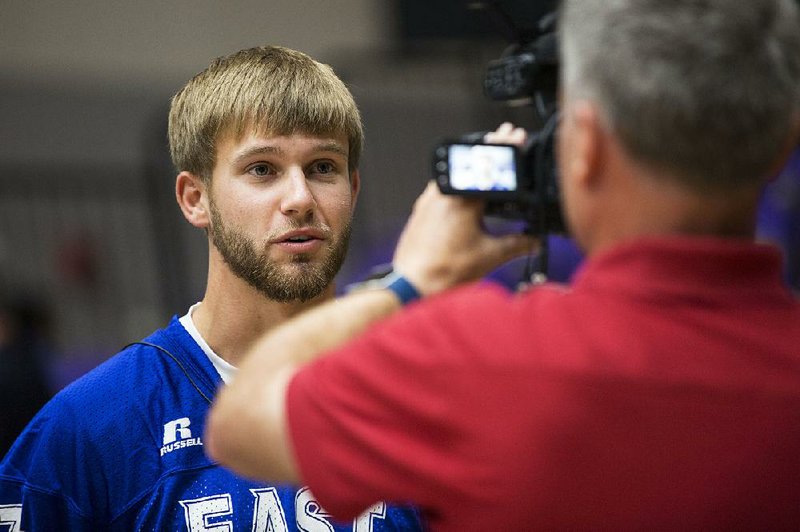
(267, 90)
(706, 91)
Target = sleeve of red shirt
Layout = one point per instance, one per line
(375, 419)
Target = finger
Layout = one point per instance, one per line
(505, 127)
(510, 135)
(453, 201)
(498, 135)
(491, 138)
(431, 190)
(509, 247)
(517, 136)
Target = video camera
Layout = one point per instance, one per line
(517, 183)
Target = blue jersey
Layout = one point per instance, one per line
(121, 449)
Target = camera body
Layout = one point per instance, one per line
(517, 183)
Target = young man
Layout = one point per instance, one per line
(267, 144)
(660, 391)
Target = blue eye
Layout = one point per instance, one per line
(260, 170)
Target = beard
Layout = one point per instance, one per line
(300, 280)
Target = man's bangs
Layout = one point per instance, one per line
(309, 116)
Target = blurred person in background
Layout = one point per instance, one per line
(267, 144)
(660, 390)
(25, 351)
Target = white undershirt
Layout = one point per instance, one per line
(225, 370)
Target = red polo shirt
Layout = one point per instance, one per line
(660, 390)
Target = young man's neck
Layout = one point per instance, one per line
(233, 314)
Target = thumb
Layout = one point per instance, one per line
(507, 247)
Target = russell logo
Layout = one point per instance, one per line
(177, 435)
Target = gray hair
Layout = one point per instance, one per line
(707, 90)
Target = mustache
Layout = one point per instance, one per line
(322, 228)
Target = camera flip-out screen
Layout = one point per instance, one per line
(488, 168)
(482, 167)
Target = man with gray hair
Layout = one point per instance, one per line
(660, 390)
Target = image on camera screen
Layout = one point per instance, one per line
(482, 167)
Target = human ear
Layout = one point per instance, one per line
(585, 154)
(190, 192)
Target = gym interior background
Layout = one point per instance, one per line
(93, 250)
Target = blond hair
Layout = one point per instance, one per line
(267, 90)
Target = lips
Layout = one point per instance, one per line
(299, 236)
(300, 240)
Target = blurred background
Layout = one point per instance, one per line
(94, 253)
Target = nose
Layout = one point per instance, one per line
(297, 199)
